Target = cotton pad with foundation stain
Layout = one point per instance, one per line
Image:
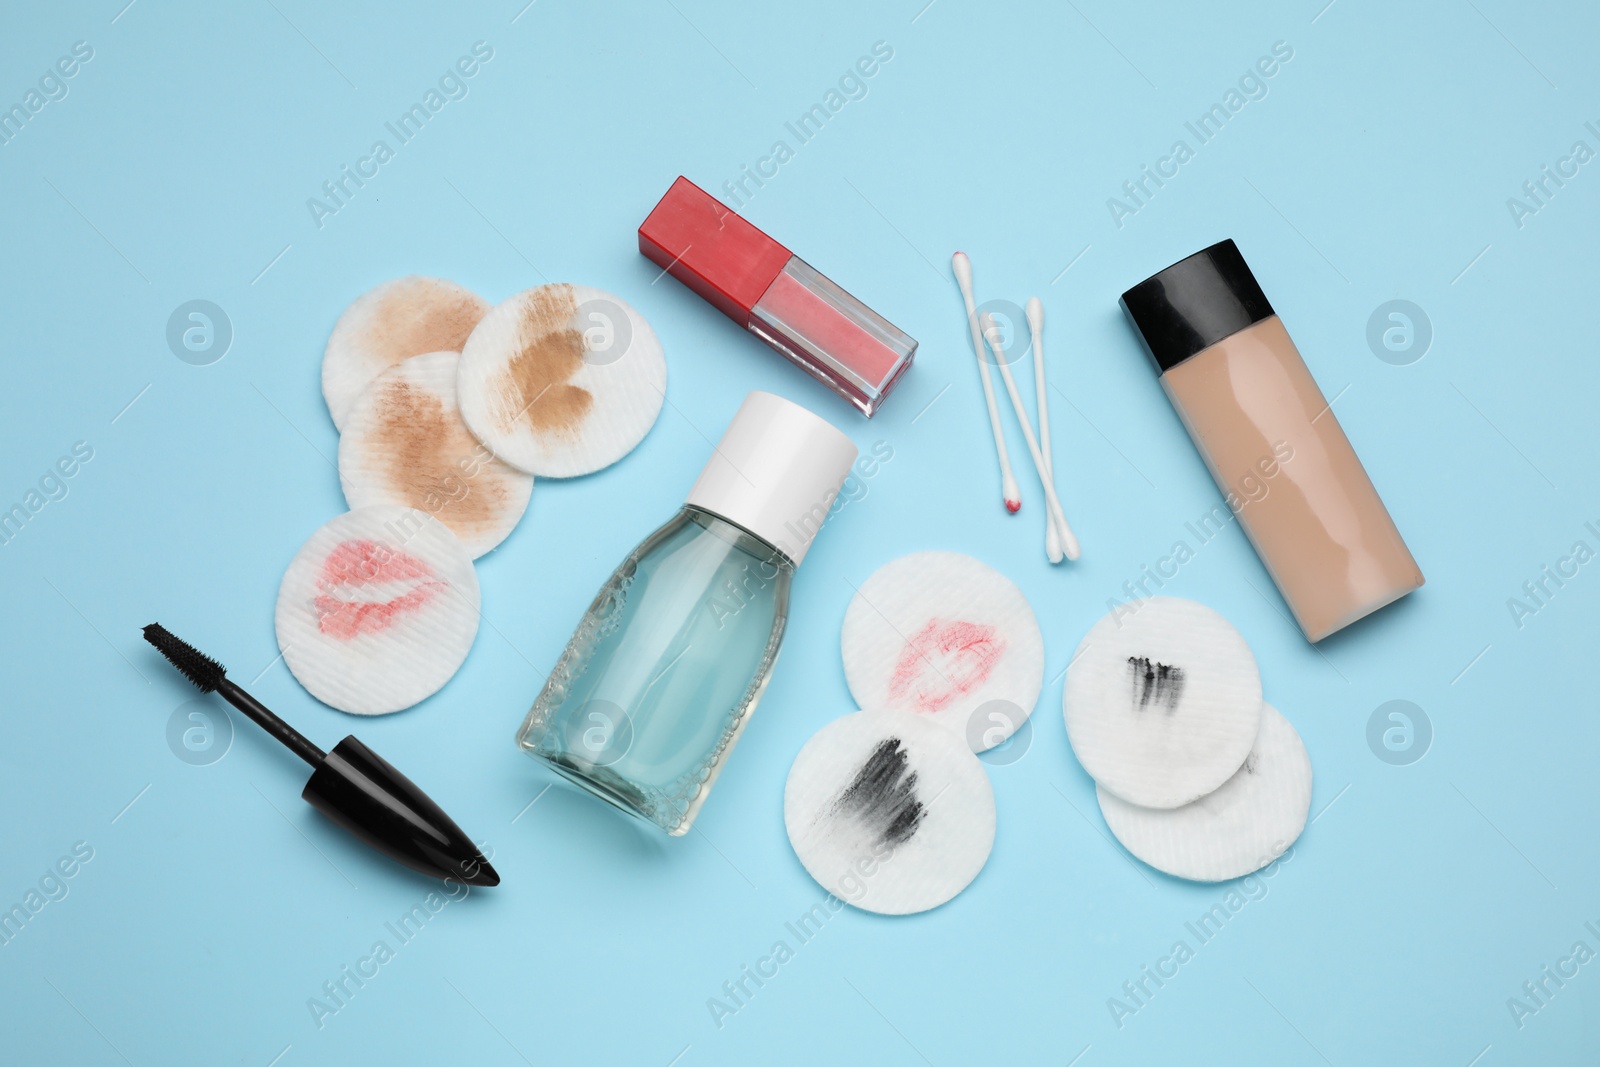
(392, 322)
(404, 443)
(377, 610)
(562, 380)
(948, 637)
(1242, 826)
(1162, 701)
(889, 811)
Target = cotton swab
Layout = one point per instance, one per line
(1069, 542)
(1008, 484)
(1035, 312)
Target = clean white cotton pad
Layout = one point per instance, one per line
(377, 610)
(562, 380)
(948, 637)
(889, 811)
(1162, 701)
(1246, 824)
(404, 443)
(391, 322)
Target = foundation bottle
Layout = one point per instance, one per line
(1271, 440)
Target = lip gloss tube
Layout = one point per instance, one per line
(1271, 441)
(776, 295)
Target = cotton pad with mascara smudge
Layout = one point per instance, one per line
(1246, 823)
(889, 811)
(392, 322)
(562, 380)
(377, 610)
(948, 637)
(1162, 701)
(404, 443)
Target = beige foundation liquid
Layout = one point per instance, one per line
(1271, 441)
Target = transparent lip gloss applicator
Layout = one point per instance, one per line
(776, 295)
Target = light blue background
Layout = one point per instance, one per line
(1377, 167)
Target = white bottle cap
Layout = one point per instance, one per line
(776, 472)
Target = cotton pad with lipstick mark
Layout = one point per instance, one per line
(392, 322)
(889, 811)
(1243, 825)
(378, 610)
(562, 380)
(404, 443)
(1162, 701)
(948, 637)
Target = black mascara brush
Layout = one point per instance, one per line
(352, 785)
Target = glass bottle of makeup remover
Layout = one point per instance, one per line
(660, 679)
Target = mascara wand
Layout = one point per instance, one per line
(351, 784)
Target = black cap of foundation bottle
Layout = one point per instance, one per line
(1195, 303)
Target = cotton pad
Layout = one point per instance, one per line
(1162, 701)
(1241, 827)
(942, 634)
(391, 322)
(404, 443)
(562, 380)
(889, 811)
(377, 610)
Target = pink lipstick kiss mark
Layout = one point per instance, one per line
(943, 662)
(354, 565)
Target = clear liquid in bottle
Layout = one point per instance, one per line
(660, 679)
(665, 669)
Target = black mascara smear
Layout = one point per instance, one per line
(1155, 683)
(883, 795)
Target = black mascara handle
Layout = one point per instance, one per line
(264, 718)
(364, 793)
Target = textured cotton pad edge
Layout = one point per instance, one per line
(1249, 821)
(391, 322)
(948, 637)
(404, 444)
(378, 610)
(889, 812)
(1162, 701)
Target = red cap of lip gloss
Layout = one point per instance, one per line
(776, 295)
(707, 247)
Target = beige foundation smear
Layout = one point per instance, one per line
(538, 374)
(404, 443)
(1271, 441)
(389, 323)
(562, 380)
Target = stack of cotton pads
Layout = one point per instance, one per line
(888, 808)
(1195, 774)
(447, 408)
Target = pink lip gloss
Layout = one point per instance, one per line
(776, 295)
